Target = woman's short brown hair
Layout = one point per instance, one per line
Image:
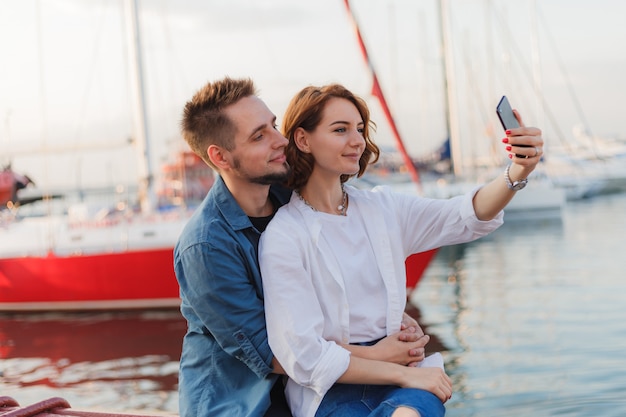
(305, 110)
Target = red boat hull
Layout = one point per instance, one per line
(416, 265)
(133, 279)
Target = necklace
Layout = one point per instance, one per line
(341, 208)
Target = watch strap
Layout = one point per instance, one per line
(514, 185)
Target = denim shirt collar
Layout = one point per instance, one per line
(232, 211)
(228, 206)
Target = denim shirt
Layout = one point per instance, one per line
(225, 365)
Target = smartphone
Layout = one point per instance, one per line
(506, 115)
(507, 118)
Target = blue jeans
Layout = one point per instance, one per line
(351, 400)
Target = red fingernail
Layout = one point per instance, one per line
(505, 140)
(508, 132)
(508, 148)
(510, 156)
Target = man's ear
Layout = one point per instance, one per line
(301, 139)
(218, 157)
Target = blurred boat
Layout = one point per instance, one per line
(117, 254)
(588, 166)
(101, 256)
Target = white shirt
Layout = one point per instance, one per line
(352, 245)
(306, 303)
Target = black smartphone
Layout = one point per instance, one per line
(506, 115)
(507, 118)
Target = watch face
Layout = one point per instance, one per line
(515, 186)
(518, 185)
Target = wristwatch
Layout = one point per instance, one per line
(514, 185)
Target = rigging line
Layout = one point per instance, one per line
(172, 68)
(477, 96)
(49, 236)
(528, 74)
(127, 78)
(448, 85)
(92, 71)
(378, 93)
(477, 100)
(564, 72)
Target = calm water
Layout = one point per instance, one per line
(531, 321)
(533, 317)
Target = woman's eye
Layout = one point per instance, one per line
(340, 129)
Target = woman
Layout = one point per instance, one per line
(332, 261)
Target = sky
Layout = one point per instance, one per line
(66, 90)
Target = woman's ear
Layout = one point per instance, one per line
(218, 157)
(301, 139)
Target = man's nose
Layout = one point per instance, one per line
(280, 140)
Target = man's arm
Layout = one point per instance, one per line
(215, 281)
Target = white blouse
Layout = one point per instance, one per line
(305, 282)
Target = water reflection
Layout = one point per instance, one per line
(532, 316)
(530, 320)
(117, 361)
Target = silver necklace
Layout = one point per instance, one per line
(341, 208)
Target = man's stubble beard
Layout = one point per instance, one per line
(266, 179)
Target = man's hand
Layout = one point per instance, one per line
(405, 347)
(409, 322)
(411, 332)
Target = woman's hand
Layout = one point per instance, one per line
(400, 348)
(397, 348)
(525, 147)
(432, 380)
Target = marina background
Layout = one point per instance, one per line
(66, 89)
(530, 321)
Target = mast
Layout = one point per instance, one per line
(378, 93)
(450, 88)
(147, 197)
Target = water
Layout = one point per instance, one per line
(530, 320)
(532, 317)
(103, 361)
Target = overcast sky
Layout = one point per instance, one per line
(64, 78)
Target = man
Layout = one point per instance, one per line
(226, 366)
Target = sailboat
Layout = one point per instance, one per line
(114, 258)
(119, 256)
(416, 264)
